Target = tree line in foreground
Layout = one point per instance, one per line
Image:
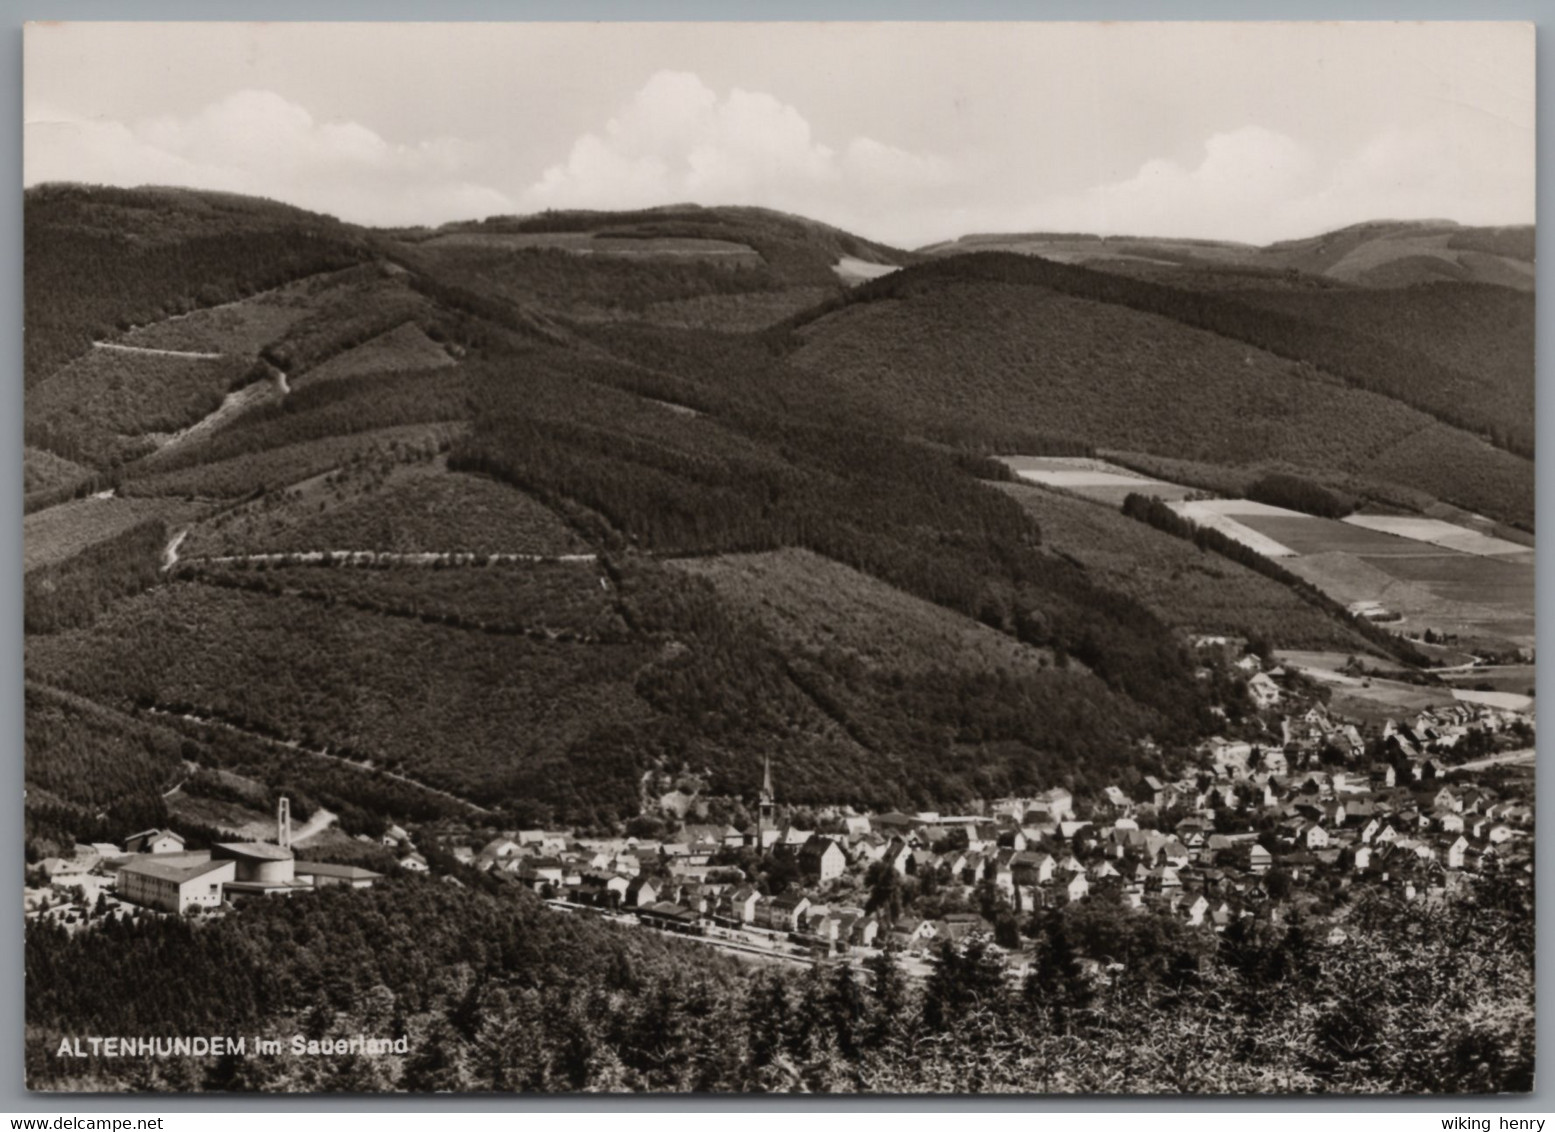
(495, 993)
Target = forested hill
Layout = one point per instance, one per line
(1198, 374)
(99, 260)
(1385, 254)
(798, 249)
(594, 482)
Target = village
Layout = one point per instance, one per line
(1295, 823)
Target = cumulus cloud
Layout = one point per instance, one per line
(1258, 185)
(676, 139)
(1243, 172)
(255, 141)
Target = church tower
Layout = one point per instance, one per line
(765, 807)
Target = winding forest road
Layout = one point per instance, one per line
(127, 349)
(371, 558)
(170, 552)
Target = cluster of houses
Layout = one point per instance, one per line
(1247, 832)
(1440, 729)
(1242, 836)
(154, 870)
(1252, 829)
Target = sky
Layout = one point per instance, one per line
(901, 132)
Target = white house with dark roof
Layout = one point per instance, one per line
(154, 841)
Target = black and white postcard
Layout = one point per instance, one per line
(696, 558)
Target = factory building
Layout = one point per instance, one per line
(160, 875)
(174, 882)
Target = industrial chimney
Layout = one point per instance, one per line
(283, 823)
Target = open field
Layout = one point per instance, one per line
(1094, 479)
(1329, 660)
(1352, 580)
(1476, 522)
(852, 270)
(1369, 698)
(1308, 534)
(1188, 588)
(1379, 702)
(1499, 678)
(818, 604)
(1474, 595)
(1375, 698)
(1486, 599)
(1470, 612)
(1507, 701)
(1227, 515)
(57, 533)
(1466, 578)
(1382, 566)
(1438, 533)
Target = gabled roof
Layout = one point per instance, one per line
(153, 835)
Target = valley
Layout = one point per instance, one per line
(577, 530)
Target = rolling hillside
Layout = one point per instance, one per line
(1186, 587)
(1383, 254)
(1134, 365)
(100, 260)
(683, 265)
(611, 516)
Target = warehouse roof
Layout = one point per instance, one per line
(254, 851)
(176, 871)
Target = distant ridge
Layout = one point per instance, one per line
(1373, 253)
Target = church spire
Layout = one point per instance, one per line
(765, 807)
